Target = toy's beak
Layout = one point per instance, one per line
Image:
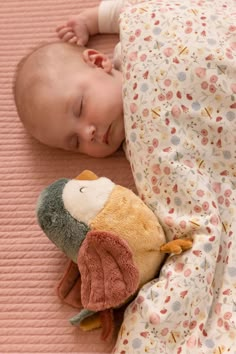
(87, 175)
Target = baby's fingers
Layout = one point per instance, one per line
(63, 30)
(58, 28)
(67, 36)
(73, 40)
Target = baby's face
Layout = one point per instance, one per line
(79, 108)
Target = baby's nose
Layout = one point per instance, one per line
(88, 132)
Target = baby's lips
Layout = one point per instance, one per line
(105, 138)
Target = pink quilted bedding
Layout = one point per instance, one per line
(32, 318)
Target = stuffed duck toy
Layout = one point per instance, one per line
(114, 242)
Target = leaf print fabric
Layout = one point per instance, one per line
(179, 70)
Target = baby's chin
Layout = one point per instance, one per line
(105, 151)
(103, 154)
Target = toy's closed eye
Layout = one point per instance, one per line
(81, 189)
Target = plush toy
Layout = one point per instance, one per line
(113, 240)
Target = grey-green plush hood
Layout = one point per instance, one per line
(60, 227)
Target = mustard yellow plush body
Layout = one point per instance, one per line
(127, 216)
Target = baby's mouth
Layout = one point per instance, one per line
(105, 138)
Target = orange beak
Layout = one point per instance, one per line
(87, 175)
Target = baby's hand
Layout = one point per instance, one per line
(74, 31)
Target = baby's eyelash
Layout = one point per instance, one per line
(77, 109)
(81, 107)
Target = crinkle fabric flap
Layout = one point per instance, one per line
(69, 288)
(108, 274)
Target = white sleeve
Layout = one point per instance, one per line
(108, 16)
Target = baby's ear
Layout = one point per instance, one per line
(95, 58)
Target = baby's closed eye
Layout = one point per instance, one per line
(78, 108)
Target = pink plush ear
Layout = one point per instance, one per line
(108, 273)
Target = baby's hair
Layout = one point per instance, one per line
(18, 71)
(24, 91)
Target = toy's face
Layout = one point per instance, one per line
(84, 199)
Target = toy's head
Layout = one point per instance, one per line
(66, 207)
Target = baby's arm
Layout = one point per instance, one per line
(101, 19)
(79, 28)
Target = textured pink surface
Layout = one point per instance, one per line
(32, 318)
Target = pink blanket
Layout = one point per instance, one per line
(32, 318)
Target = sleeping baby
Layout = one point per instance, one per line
(70, 97)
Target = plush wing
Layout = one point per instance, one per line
(108, 273)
